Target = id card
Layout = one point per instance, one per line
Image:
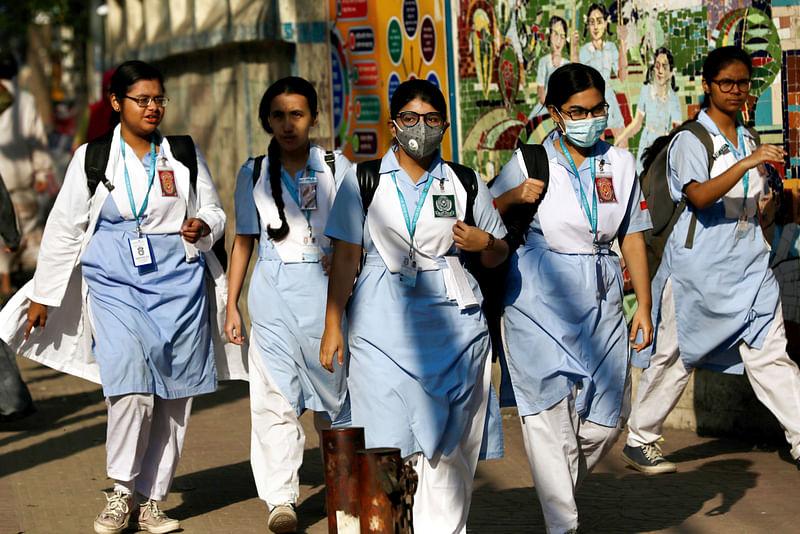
(140, 251)
(310, 252)
(604, 183)
(444, 206)
(408, 272)
(308, 192)
(741, 227)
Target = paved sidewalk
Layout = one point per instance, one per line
(52, 471)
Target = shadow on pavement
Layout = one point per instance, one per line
(212, 489)
(624, 504)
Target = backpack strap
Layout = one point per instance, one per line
(518, 217)
(182, 147)
(469, 181)
(97, 152)
(330, 160)
(258, 162)
(704, 137)
(368, 176)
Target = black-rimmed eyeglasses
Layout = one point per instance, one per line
(144, 101)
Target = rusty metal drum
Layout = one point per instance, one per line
(339, 446)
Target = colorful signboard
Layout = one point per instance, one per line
(375, 46)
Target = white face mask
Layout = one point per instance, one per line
(585, 132)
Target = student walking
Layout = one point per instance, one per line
(419, 344)
(121, 276)
(284, 199)
(717, 303)
(566, 340)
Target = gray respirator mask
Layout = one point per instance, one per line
(420, 140)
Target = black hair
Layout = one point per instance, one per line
(127, 74)
(417, 88)
(555, 19)
(291, 85)
(720, 58)
(8, 65)
(649, 77)
(570, 79)
(597, 6)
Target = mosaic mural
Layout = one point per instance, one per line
(650, 55)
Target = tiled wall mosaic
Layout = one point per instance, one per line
(651, 56)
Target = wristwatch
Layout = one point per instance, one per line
(490, 243)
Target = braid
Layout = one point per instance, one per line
(274, 171)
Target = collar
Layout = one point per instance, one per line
(437, 169)
(316, 159)
(712, 127)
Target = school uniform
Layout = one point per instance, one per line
(565, 337)
(715, 305)
(145, 333)
(287, 295)
(419, 356)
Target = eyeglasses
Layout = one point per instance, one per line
(433, 119)
(144, 101)
(726, 85)
(578, 113)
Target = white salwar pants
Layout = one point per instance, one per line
(144, 441)
(277, 439)
(444, 491)
(774, 377)
(562, 449)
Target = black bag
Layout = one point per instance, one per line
(182, 146)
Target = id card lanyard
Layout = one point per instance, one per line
(138, 215)
(408, 271)
(310, 252)
(741, 225)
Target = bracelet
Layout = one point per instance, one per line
(490, 243)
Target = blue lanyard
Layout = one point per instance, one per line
(128, 179)
(746, 177)
(290, 188)
(411, 224)
(591, 215)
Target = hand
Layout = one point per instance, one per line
(332, 344)
(37, 317)
(576, 38)
(641, 321)
(193, 229)
(327, 263)
(233, 326)
(763, 154)
(469, 238)
(529, 191)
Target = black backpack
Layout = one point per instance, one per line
(182, 147)
(655, 187)
(517, 219)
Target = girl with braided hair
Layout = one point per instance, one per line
(283, 199)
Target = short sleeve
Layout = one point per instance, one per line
(511, 176)
(246, 212)
(344, 167)
(346, 219)
(487, 218)
(687, 162)
(637, 216)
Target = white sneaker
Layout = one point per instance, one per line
(153, 520)
(114, 517)
(283, 519)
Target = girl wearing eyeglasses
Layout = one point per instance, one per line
(286, 206)
(565, 336)
(420, 363)
(717, 302)
(121, 278)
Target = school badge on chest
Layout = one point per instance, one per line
(444, 205)
(167, 179)
(605, 189)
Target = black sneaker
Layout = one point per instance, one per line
(647, 459)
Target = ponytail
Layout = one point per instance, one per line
(274, 173)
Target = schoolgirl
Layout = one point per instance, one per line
(717, 303)
(286, 206)
(419, 345)
(137, 246)
(565, 336)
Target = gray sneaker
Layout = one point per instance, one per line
(647, 459)
(114, 517)
(151, 519)
(283, 519)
